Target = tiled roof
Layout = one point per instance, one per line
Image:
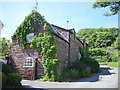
(56, 31)
(62, 28)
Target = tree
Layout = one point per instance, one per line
(98, 37)
(114, 7)
(4, 47)
(116, 44)
(103, 42)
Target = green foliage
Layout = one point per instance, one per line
(74, 74)
(113, 7)
(103, 42)
(65, 76)
(6, 68)
(31, 24)
(84, 51)
(116, 44)
(80, 69)
(92, 63)
(4, 47)
(111, 64)
(101, 39)
(3, 79)
(97, 51)
(44, 43)
(112, 54)
(88, 31)
(70, 73)
(85, 72)
(14, 79)
(8, 77)
(100, 54)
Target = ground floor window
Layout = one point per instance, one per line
(28, 62)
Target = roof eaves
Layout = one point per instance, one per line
(60, 37)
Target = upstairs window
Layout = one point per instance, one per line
(29, 36)
(28, 62)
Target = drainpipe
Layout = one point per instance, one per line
(68, 45)
(69, 50)
(36, 69)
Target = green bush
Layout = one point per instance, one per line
(94, 66)
(65, 76)
(85, 72)
(3, 79)
(74, 74)
(78, 65)
(75, 71)
(79, 69)
(14, 79)
(91, 63)
(6, 69)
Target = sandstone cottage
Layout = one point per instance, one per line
(27, 62)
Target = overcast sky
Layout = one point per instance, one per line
(79, 14)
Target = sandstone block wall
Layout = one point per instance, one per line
(62, 49)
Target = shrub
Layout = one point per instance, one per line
(79, 69)
(78, 65)
(91, 63)
(94, 66)
(74, 71)
(3, 79)
(6, 68)
(85, 72)
(74, 74)
(65, 76)
(14, 79)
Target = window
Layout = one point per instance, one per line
(28, 62)
(29, 36)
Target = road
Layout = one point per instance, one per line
(106, 78)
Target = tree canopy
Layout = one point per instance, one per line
(4, 47)
(113, 6)
(102, 42)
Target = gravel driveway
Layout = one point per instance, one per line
(106, 78)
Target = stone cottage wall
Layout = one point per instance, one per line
(62, 53)
(18, 57)
(62, 49)
(74, 48)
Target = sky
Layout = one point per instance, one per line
(79, 14)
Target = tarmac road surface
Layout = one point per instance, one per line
(106, 78)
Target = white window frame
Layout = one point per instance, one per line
(29, 36)
(27, 62)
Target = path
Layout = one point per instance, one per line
(106, 78)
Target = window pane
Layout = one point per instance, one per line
(28, 61)
(29, 36)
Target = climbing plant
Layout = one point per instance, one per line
(43, 42)
(31, 24)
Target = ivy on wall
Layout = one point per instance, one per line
(31, 24)
(43, 42)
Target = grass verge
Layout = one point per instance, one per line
(111, 64)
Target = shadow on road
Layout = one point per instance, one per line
(24, 87)
(96, 76)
